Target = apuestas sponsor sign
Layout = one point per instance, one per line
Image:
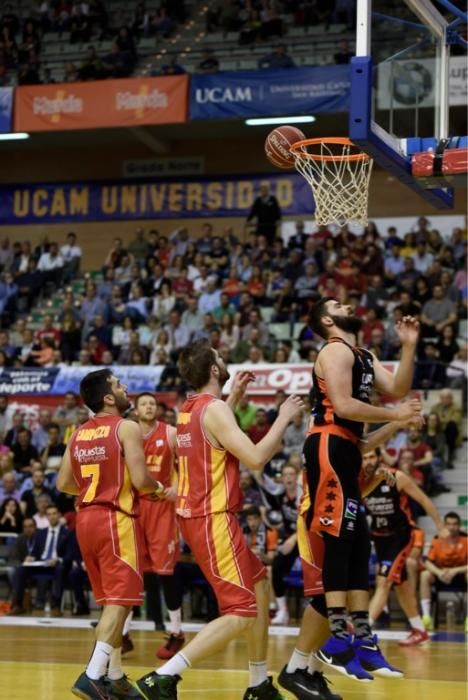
(270, 92)
(129, 102)
(141, 168)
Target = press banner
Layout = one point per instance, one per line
(6, 108)
(102, 103)
(151, 199)
(270, 92)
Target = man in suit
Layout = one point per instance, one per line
(46, 559)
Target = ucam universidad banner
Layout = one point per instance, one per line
(101, 103)
(270, 92)
(6, 109)
(167, 199)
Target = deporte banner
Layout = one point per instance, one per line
(270, 92)
(6, 109)
(167, 199)
(101, 103)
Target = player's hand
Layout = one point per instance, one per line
(386, 475)
(409, 412)
(240, 384)
(52, 562)
(28, 559)
(291, 407)
(443, 532)
(408, 330)
(170, 494)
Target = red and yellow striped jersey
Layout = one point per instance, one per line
(208, 475)
(99, 467)
(159, 454)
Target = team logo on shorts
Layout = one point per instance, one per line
(351, 509)
(326, 522)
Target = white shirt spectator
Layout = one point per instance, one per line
(422, 262)
(49, 262)
(70, 252)
(209, 301)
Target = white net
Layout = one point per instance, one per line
(339, 176)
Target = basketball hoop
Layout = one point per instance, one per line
(339, 175)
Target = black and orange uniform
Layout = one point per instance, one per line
(450, 554)
(391, 529)
(264, 540)
(106, 523)
(208, 500)
(157, 518)
(331, 506)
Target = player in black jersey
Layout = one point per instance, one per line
(344, 378)
(392, 531)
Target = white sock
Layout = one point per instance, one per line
(298, 660)
(175, 624)
(175, 666)
(416, 623)
(257, 673)
(314, 664)
(115, 670)
(127, 623)
(98, 662)
(426, 606)
(371, 622)
(282, 605)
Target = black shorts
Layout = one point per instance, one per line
(458, 581)
(392, 552)
(332, 465)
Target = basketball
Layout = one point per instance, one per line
(277, 145)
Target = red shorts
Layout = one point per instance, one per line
(311, 549)
(160, 536)
(109, 545)
(232, 569)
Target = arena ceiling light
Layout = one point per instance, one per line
(15, 136)
(271, 121)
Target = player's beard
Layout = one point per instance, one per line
(348, 324)
(223, 375)
(123, 404)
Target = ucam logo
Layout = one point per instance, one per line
(219, 95)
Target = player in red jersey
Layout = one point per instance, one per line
(105, 466)
(210, 445)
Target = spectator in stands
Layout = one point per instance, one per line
(29, 285)
(450, 416)
(24, 453)
(91, 306)
(208, 64)
(447, 347)
(394, 264)
(260, 428)
(141, 19)
(138, 303)
(47, 78)
(22, 546)
(446, 565)
(50, 547)
(178, 334)
(139, 247)
(67, 414)
(437, 313)
(430, 372)
(344, 54)
(294, 436)
(435, 438)
(164, 302)
(53, 452)
(38, 488)
(246, 413)
(423, 455)
(5, 420)
(45, 355)
(80, 25)
(8, 297)
(9, 487)
(260, 539)
(422, 258)
(278, 59)
(267, 213)
(71, 254)
(210, 298)
(17, 423)
(40, 434)
(11, 519)
(251, 495)
(40, 516)
(51, 266)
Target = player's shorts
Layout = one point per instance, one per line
(110, 547)
(159, 535)
(230, 567)
(311, 550)
(333, 462)
(392, 552)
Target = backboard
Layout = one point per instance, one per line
(408, 78)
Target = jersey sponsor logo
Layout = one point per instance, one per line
(97, 453)
(159, 443)
(184, 440)
(385, 488)
(326, 522)
(352, 508)
(350, 525)
(88, 434)
(184, 418)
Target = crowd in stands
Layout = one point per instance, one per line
(156, 293)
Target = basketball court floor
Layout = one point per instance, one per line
(40, 662)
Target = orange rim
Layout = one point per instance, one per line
(336, 140)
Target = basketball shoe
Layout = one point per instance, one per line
(88, 689)
(372, 659)
(122, 689)
(340, 655)
(414, 638)
(174, 643)
(306, 686)
(428, 622)
(156, 687)
(264, 691)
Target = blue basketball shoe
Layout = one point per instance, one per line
(372, 659)
(341, 655)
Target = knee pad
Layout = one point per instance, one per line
(319, 604)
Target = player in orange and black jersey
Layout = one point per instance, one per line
(392, 530)
(104, 465)
(344, 378)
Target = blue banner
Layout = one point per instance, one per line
(6, 107)
(270, 92)
(168, 199)
(59, 380)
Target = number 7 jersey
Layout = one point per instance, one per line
(99, 467)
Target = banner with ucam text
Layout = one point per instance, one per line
(269, 378)
(151, 199)
(101, 103)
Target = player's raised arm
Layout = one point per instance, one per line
(399, 384)
(220, 423)
(132, 443)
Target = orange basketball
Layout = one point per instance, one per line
(277, 145)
